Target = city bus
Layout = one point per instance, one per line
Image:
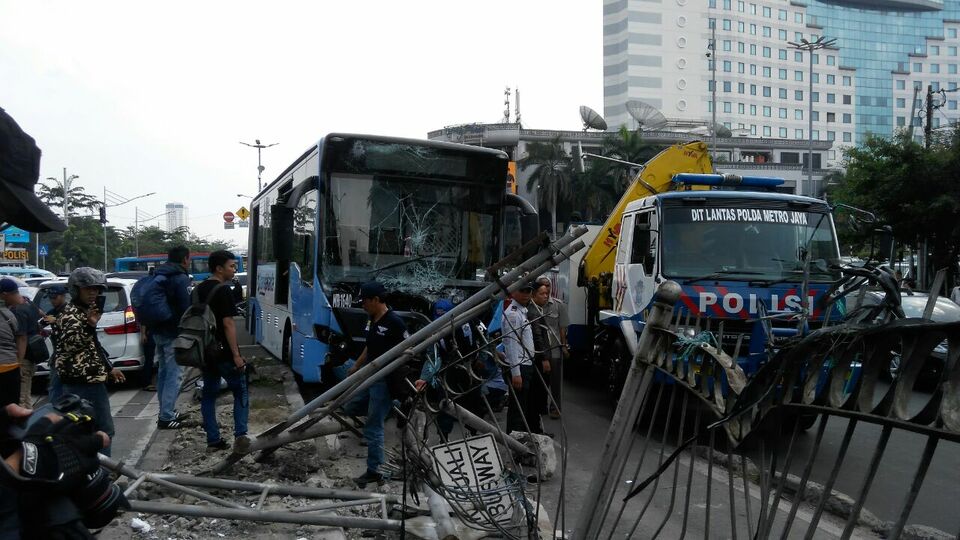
(424, 218)
(198, 264)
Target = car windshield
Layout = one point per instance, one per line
(414, 235)
(943, 310)
(747, 243)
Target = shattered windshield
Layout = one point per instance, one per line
(414, 235)
(747, 243)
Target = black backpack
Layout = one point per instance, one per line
(196, 344)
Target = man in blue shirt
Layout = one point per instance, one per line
(385, 330)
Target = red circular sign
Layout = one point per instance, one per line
(228, 217)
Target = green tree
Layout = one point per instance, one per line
(80, 200)
(915, 190)
(551, 177)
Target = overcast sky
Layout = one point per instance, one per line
(139, 97)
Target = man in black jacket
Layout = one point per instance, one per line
(173, 277)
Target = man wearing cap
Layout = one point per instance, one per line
(385, 330)
(519, 350)
(58, 299)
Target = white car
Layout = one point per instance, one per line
(118, 329)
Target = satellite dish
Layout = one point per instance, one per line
(592, 119)
(647, 116)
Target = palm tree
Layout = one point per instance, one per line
(52, 195)
(551, 177)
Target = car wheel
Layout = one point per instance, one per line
(618, 363)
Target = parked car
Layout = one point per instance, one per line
(913, 304)
(118, 330)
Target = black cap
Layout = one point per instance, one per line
(371, 289)
(19, 172)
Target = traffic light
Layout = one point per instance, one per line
(103, 214)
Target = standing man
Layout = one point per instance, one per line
(519, 352)
(557, 321)
(173, 280)
(80, 359)
(229, 364)
(13, 347)
(58, 299)
(385, 330)
(26, 326)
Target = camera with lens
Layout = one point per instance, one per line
(97, 500)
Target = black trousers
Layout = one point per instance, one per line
(10, 387)
(523, 404)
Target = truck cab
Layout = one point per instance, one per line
(737, 255)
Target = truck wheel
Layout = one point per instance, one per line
(618, 364)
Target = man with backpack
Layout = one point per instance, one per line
(159, 300)
(212, 300)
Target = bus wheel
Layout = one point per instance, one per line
(287, 346)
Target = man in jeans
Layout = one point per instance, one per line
(175, 280)
(230, 364)
(385, 330)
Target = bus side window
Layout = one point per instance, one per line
(304, 236)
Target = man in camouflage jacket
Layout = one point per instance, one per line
(80, 361)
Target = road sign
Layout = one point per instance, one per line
(44, 250)
(243, 213)
(472, 466)
(228, 217)
(243, 224)
(228, 224)
(14, 235)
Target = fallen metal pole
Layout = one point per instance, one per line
(265, 515)
(242, 485)
(247, 444)
(639, 379)
(479, 424)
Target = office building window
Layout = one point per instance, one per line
(798, 114)
(798, 95)
(816, 59)
(798, 17)
(783, 133)
(782, 93)
(753, 29)
(782, 74)
(798, 134)
(815, 116)
(766, 131)
(901, 84)
(847, 81)
(952, 105)
(783, 113)
(727, 66)
(816, 134)
(741, 67)
(798, 36)
(847, 136)
(831, 117)
(798, 75)
(847, 99)
(798, 56)
(782, 35)
(766, 111)
(726, 5)
(753, 9)
(831, 79)
(816, 78)
(782, 53)
(727, 45)
(753, 69)
(741, 88)
(951, 51)
(782, 14)
(727, 86)
(831, 135)
(740, 108)
(917, 67)
(831, 98)
(727, 25)
(767, 31)
(753, 110)
(815, 97)
(727, 107)
(741, 47)
(934, 50)
(952, 69)
(934, 68)
(766, 52)
(847, 118)
(753, 89)
(831, 60)
(709, 106)
(741, 26)
(766, 12)
(952, 33)
(766, 91)
(766, 71)
(741, 7)
(901, 121)
(951, 86)
(935, 86)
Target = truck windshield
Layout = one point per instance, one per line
(416, 235)
(747, 243)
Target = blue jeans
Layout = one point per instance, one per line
(237, 383)
(374, 402)
(96, 394)
(55, 388)
(168, 376)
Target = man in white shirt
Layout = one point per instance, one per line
(523, 412)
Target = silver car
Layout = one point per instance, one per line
(118, 329)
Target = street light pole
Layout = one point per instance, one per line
(260, 167)
(713, 80)
(811, 46)
(65, 185)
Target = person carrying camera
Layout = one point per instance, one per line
(81, 362)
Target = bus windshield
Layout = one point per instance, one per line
(747, 243)
(416, 235)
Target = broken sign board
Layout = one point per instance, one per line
(473, 472)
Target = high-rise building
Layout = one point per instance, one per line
(657, 53)
(176, 216)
